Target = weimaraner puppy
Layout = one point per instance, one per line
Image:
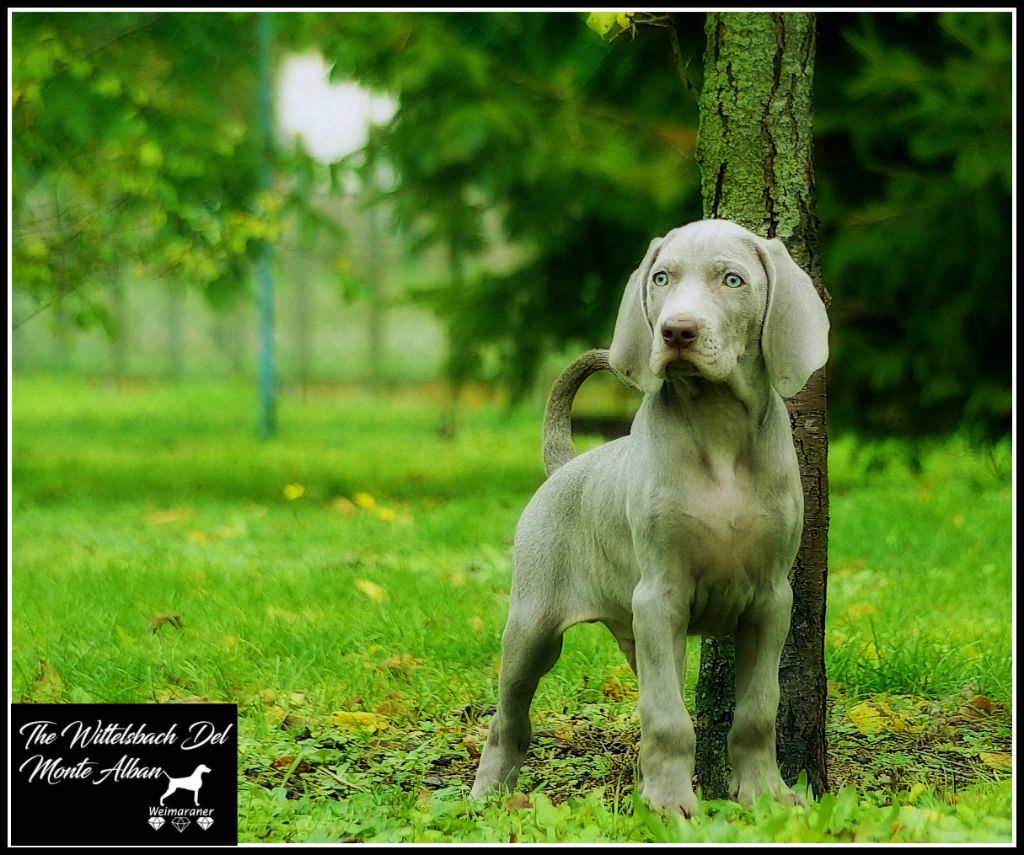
(689, 525)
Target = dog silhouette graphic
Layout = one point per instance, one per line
(193, 782)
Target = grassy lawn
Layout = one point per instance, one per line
(346, 585)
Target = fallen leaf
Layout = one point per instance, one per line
(979, 707)
(296, 722)
(1001, 760)
(343, 505)
(518, 802)
(615, 689)
(374, 591)
(916, 791)
(476, 623)
(874, 717)
(391, 707)
(158, 620)
(386, 514)
(189, 699)
(48, 685)
(861, 609)
(563, 734)
(405, 663)
(293, 492)
(359, 721)
(171, 516)
(286, 762)
(197, 536)
(365, 501)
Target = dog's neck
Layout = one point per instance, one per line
(723, 421)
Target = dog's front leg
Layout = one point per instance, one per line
(759, 638)
(661, 614)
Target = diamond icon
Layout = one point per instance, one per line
(157, 822)
(205, 822)
(180, 823)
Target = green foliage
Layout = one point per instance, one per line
(539, 159)
(132, 154)
(531, 118)
(914, 135)
(377, 584)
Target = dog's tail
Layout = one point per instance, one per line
(165, 772)
(557, 443)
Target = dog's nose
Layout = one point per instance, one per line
(679, 332)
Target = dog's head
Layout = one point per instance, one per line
(706, 295)
(201, 768)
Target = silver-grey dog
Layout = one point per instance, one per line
(689, 525)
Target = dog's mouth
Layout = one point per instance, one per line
(672, 363)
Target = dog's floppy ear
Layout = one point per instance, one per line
(630, 354)
(794, 338)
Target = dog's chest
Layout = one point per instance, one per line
(728, 532)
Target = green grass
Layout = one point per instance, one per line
(157, 500)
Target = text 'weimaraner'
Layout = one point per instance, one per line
(689, 525)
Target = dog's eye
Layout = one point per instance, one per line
(660, 278)
(732, 280)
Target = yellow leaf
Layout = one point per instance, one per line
(294, 491)
(601, 22)
(624, 19)
(561, 733)
(916, 792)
(876, 717)
(364, 500)
(476, 623)
(48, 684)
(404, 663)
(374, 591)
(1001, 760)
(860, 609)
(359, 721)
(373, 649)
(196, 536)
(870, 653)
(613, 688)
(386, 514)
(171, 516)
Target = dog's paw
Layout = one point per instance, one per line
(746, 788)
(672, 798)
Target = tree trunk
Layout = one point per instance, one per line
(755, 152)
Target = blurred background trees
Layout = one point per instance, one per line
(526, 166)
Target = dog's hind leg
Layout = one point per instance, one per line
(530, 648)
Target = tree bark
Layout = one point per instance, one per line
(755, 148)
